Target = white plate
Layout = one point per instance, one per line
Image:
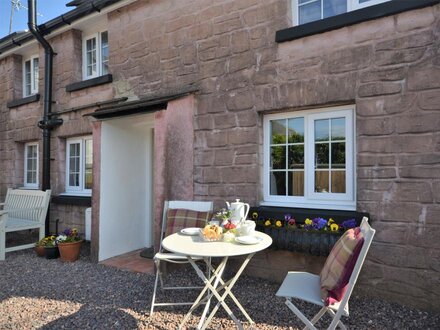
(248, 240)
(192, 231)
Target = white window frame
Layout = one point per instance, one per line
(26, 184)
(99, 63)
(34, 79)
(311, 199)
(351, 5)
(77, 190)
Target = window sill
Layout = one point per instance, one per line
(349, 207)
(350, 18)
(108, 78)
(72, 200)
(25, 100)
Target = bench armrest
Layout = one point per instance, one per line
(22, 210)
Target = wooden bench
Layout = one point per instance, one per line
(22, 210)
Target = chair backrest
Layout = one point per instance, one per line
(368, 234)
(36, 201)
(187, 205)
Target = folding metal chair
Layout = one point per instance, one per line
(164, 256)
(307, 287)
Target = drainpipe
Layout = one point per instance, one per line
(47, 123)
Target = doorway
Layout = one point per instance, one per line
(126, 190)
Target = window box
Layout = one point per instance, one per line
(310, 241)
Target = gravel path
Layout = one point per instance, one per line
(36, 293)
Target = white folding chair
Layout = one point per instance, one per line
(163, 256)
(307, 287)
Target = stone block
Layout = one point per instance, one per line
(415, 19)
(372, 30)
(432, 216)
(376, 126)
(224, 190)
(389, 234)
(217, 139)
(419, 159)
(240, 100)
(204, 122)
(243, 136)
(227, 120)
(379, 88)
(414, 40)
(392, 74)
(399, 211)
(247, 119)
(211, 69)
(240, 41)
(211, 175)
(245, 159)
(239, 5)
(436, 191)
(200, 31)
(394, 57)
(422, 235)
(429, 100)
(227, 23)
(423, 76)
(240, 62)
(377, 173)
(266, 75)
(180, 23)
(420, 172)
(210, 12)
(347, 60)
(410, 191)
(376, 160)
(223, 157)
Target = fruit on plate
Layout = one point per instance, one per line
(229, 225)
(212, 232)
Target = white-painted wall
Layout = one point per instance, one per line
(125, 222)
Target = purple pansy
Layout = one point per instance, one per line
(350, 223)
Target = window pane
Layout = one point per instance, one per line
(88, 174)
(74, 164)
(296, 130)
(338, 155)
(321, 181)
(104, 52)
(278, 131)
(321, 130)
(296, 183)
(321, 155)
(296, 156)
(278, 157)
(278, 183)
(338, 182)
(35, 80)
(334, 7)
(338, 129)
(309, 12)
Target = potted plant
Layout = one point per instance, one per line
(50, 247)
(39, 247)
(69, 244)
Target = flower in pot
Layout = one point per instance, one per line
(39, 247)
(69, 244)
(50, 247)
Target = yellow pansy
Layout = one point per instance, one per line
(278, 223)
(334, 227)
(255, 215)
(330, 221)
(308, 221)
(267, 223)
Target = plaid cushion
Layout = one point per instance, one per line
(178, 219)
(339, 265)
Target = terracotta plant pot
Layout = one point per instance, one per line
(51, 252)
(40, 251)
(69, 251)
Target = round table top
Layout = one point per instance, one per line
(196, 246)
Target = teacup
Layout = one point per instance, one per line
(247, 228)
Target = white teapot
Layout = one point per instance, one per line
(239, 210)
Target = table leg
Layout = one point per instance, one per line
(215, 275)
(228, 287)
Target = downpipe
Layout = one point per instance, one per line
(47, 123)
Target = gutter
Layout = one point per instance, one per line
(89, 7)
(47, 123)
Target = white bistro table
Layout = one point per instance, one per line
(195, 246)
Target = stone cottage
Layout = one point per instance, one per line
(321, 105)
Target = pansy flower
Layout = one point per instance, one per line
(278, 223)
(334, 227)
(254, 215)
(267, 223)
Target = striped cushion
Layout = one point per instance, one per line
(178, 219)
(339, 265)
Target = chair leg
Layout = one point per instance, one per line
(154, 292)
(336, 320)
(2, 244)
(300, 315)
(318, 316)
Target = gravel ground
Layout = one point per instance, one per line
(36, 293)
